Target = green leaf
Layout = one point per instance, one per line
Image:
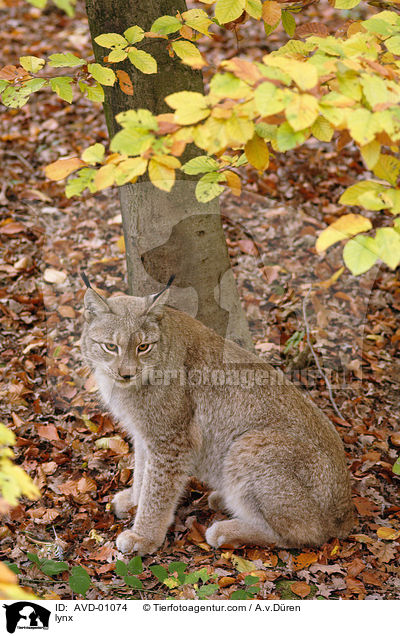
(393, 45)
(387, 245)
(84, 179)
(67, 6)
(250, 580)
(288, 23)
(287, 138)
(93, 92)
(17, 96)
(34, 558)
(31, 63)
(58, 60)
(79, 580)
(40, 4)
(94, 154)
(208, 188)
(117, 55)
(102, 74)
(227, 85)
(346, 4)
(121, 568)
(254, 8)
(52, 568)
(179, 567)
(197, 19)
(135, 565)
(229, 10)
(142, 61)
(133, 582)
(200, 164)
(359, 254)
(12, 566)
(396, 466)
(62, 86)
(239, 595)
(3, 85)
(111, 40)
(206, 590)
(134, 34)
(166, 24)
(188, 53)
(159, 572)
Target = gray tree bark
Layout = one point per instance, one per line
(168, 233)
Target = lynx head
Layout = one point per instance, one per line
(122, 335)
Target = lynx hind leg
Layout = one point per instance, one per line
(216, 501)
(122, 503)
(264, 489)
(236, 532)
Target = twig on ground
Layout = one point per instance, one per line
(328, 384)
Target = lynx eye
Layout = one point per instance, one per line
(145, 346)
(110, 347)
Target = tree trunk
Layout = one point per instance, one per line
(168, 233)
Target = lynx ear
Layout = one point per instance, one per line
(94, 305)
(158, 301)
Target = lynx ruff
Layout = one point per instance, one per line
(273, 460)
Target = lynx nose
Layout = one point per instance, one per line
(126, 377)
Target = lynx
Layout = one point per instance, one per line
(197, 405)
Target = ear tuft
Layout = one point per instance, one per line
(158, 301)
(95, 305)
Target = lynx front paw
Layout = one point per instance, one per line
(128, 541)
(122, 503)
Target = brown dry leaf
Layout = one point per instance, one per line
(355, 567)
(384, 552)
(312, 28)
(197, 532)
(69, 488)
(300, 588)
(48, 432)
(66, 311)
(118, 446)
(354, 585)
(395, 439)
(247, 246)
(49, 468)
(86, 484)
(105, 553)
(365, 507)
(304, 560)
(12, 228)
(374, 578)
(225, 581)
(125, 82)
(43, 515)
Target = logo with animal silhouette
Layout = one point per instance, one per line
(26, 615)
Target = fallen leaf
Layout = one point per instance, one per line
(304, 559)
(300, 589)
(48, 432)
(54, 276)
(389, 534)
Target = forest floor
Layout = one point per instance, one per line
(71, 447)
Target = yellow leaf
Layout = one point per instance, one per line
(390, 534)
(161, 176)
(371, 153)
(190, 107)
(105, 176)
(189, 54)
(242, 565)
(388, 168)
(239, 129)
(62, 168)
(348, 225)
(303, 73)
(302, 111)
(229, 10)
(257, 153)
(271, 12)
(234, 182)
(121, 244)
(322, 129)
(168, 161)
(330, 281)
